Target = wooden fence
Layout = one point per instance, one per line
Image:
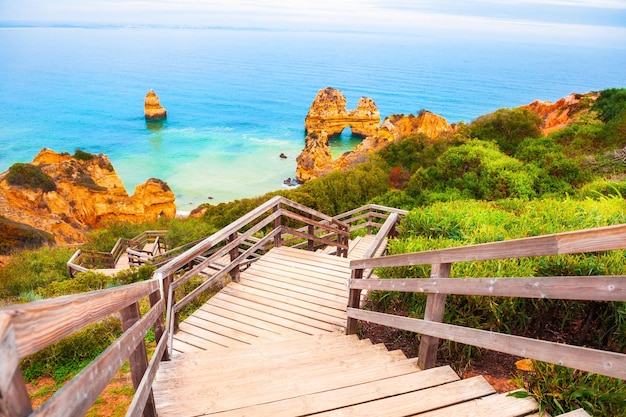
(83, 260)
(439, 285)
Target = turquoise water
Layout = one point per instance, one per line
(237, 99)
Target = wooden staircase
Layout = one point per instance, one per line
(322, 375)
(273, 344)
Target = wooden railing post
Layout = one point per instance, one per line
(435, 307)
(14, 401)
(311, 232)
(234, 254)
(167, 283)
(159, 325)
(278, 239)
(354, 301)
(346, 241)
(139, 357)
(369, 223)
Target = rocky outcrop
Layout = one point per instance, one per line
(328, 114)
(328, 117)
(88, 193)
(152, 107)
(563, 112)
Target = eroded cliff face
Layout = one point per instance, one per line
(328, 117)
(88, 193)
(565, 111)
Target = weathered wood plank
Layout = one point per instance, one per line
(310, 277)
(576, 413)
(590, 240)
(499, 405)
(336, 303)
(237, 313)
(347, 396)
(590, 360)
(253, 389)
(181, 347)
(419, 401)
(282, 350)
(292, 281)
(312, 324)
(599, 288)
(267, 279)
(202, 326)
(315, 259)
(290, 324)
(41, 323)
(191, 335)
(311, 309)
(247, 366)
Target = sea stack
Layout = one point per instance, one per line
(152, 107)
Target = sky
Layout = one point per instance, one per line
(602, 18)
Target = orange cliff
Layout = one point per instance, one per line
(328, 117)
(88, 193)
(562, 113)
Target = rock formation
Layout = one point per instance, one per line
(563, 112)
(152, 107)
(328, 114)
(88, 193)
(328, 117)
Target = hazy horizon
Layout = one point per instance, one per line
(566, 20)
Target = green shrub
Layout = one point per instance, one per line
(339, 192)
(557, 174)
(28, 271)
(415, 152)
(507, 127)
(184, 231)
(86, 181)
(30, 176)
(559, 390)
(600, 189)
(83, 156)
(611, 103)
(478, 170)
(91, 281)
(614, 132)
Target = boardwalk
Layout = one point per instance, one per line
(273, 345)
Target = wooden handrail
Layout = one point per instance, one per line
(384, 231)
(439, 285)
(591, 360)
(40, 323)
(589, 240)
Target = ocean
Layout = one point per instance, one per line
(236, 98)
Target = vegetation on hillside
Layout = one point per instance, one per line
(493, 179)
(30, 176)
